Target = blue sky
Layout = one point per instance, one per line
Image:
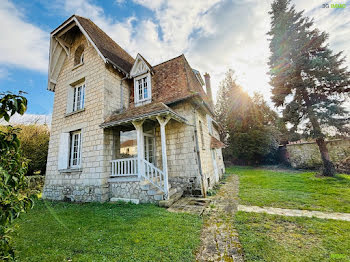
(215, 35)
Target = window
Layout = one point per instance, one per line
(75, 149)
(79, 55)
(142, 89)
(201, 134)
(78, 97)
(82, 58)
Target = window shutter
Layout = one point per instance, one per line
(70, 99)
(63, 151)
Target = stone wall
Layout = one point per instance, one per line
(129, 190)
(182, 159)
(89, 182)
(307, 155)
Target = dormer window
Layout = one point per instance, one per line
(142, 89)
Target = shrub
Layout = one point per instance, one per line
(35, 144)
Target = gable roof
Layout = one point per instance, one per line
(134, 67)
(107, 49)
(174, 80)
(106, 45)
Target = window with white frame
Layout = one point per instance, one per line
(75, 149)
(78, 97)
(142, 88)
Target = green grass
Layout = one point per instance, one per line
(57, 231)
(296, 190)
(278, 238)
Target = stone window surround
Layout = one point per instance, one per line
(69, 129)
(77, 80)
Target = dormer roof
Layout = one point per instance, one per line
(140, 66)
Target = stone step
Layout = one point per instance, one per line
(155, 191)
(171, 200)
(147, 185)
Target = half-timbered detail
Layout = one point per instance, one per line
(124, 129)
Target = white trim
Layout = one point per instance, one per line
(73, 135)
(142, 101)
(88, 37)
(139, 58)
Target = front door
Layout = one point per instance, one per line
(216, 172)
(149, 147)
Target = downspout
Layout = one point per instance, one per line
(197, 150)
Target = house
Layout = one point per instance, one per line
(104, 97)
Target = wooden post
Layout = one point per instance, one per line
(162, 122)
(140, 147)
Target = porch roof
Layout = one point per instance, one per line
(148, 111)
(215, 143)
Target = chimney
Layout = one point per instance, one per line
(208, 87)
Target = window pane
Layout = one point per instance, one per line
(74, 99)
(145, 87)
(78, 97)
(140, 89)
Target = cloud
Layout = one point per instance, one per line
(4, 73)
(22, 44)
(215, 35)
(27, 119)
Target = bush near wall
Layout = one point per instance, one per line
(35, 144)
(36, 183)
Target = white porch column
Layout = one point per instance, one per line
(162, 122)
(140, 146)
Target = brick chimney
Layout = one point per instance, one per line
(208, 87)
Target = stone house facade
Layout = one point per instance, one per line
(104, 97)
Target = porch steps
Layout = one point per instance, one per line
(174, 195)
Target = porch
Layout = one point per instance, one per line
(135, 160)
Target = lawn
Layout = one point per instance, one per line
(278, 238)
(57, 231)
(290, 189)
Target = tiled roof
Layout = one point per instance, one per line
(128, 143)
(174, 80)
(215, 143)
(109, 49)
(140, 112)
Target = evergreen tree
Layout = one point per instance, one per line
(309, 81)
(249, 125)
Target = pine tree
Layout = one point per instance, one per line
(309, 82)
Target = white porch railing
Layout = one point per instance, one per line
(155, 176)
(124, 167)
(129, 167)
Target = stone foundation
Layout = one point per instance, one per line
(130, 190)
(190, 185)
(76, 193)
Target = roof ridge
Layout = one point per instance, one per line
(103, 32)
(168, 60)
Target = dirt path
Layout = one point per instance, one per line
(219, 238)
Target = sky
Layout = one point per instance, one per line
(214, 35)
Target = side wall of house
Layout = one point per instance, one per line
(89, 182)
(183, 169)
(207, 153)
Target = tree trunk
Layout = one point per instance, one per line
(328, 167)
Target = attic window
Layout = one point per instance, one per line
(142, 89)
(79, 55)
